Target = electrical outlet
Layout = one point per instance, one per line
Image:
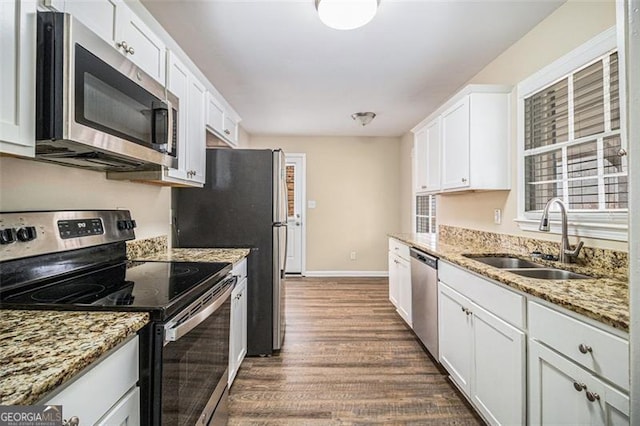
(497, 216)
(352, 256)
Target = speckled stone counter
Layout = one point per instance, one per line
(40, 350)
(197, 255)
(604, 298)
(156, 249)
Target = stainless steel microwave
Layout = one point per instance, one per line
(95, 108)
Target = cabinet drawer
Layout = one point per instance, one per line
(501, 302)
(398, 248)
(608, 355)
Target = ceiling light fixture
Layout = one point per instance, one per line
(363, 118)
(346, 14)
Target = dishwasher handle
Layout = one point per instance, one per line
(424, 258)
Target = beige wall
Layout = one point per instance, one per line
(31, 185)
(354, 182)
(568, 27)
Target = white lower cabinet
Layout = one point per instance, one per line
(561, 392)
(485, 357)
(238, 327)
(400, 279)
(578, 373)
(107, 393)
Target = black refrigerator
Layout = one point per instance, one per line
(243, 204)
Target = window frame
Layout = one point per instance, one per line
(611, 225)
(433, 211)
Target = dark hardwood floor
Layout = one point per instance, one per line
(347, 359)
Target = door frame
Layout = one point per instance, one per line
(302, 179)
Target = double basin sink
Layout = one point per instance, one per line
(526, 268)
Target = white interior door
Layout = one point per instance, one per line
(295, 165)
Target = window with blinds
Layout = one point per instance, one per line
(572, 144)
(425, 214)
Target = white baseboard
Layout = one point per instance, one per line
(346, 274)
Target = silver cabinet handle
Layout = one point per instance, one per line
(584, 348)
(227, 131)
(464, 180)
(579, 386)
(73, 421)
(622, 152)
(131, 51)
(424, 187)
(463, 309)
(123, 44)
(592, 396)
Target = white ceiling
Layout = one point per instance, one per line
(286, 73)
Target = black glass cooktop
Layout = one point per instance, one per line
(162, 288)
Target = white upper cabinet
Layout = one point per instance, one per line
(191, 128)
(464, 145)
(221, 119)
(455, 145)
(18, 77)
(427, 158)
(124, 30)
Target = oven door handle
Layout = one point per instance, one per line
(173, 334)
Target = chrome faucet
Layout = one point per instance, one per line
(567, 255)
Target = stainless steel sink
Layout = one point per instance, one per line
(525, 268)
(549, 274)
(506, 262)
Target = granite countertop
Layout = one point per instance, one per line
(196, 255)
(604, 298)
(40, 350)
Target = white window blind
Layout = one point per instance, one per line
(572, 144)
(425, 214)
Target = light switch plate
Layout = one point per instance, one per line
(311, 204)
(497, 216)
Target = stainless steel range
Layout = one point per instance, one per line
(76, 260)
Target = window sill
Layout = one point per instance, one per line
(603, 226)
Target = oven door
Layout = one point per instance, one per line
(195, 359)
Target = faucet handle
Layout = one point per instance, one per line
(576, 251)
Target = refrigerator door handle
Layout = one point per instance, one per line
(286, 247)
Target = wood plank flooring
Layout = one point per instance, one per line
(347, 359)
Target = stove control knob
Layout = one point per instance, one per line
(133, 224)
(7, 236)
(122, 225)
(28, 233)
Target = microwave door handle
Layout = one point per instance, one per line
(169, 126)
(173, 334)
(160, 133)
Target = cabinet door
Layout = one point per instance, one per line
(230, 129)
(178, 82)
(125, 413)
(420, 160)
(17, 77)
(558, 390)
(242, 308)
(215, 114)
(433, 156)
(238, 329)
(455, 145)
(99, 15)
(197, 143)
(404, 290)
(454, 336)
(499, 379)
(393, 279)
(144, 48)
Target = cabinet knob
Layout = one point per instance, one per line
(592, 396)
(226, 131)
(130, 50)
(424, 187)
(464, 180)
(584, 348)
(579, 386)
(622, 152)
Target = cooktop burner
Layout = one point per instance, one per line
(141, 286)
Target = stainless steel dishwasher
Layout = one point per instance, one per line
(424, 299)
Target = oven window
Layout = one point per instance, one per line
(193, 366)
